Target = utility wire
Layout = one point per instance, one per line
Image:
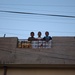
(29, 13)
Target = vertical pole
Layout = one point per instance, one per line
(5, 70)
(4, 35)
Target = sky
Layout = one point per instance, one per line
(20, 25)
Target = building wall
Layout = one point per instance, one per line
(61, 52)
(1, 71)
(14, 71)
(8, 42)
(7, 47)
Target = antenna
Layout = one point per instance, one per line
(4, 35)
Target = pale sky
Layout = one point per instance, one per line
(20, 25)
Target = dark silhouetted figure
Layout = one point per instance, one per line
(47, 37)
(39, 35)
(32, 37)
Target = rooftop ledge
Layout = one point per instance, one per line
(41, 66)
(61, 54)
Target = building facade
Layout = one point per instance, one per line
(59, 59)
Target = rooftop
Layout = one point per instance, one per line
(62, 52)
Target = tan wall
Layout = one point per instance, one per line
(39, 72)
(1, 71)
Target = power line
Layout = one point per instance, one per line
(29, 13)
